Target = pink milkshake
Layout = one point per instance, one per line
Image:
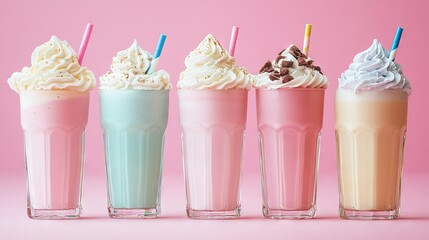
(54, 97)
(54, 123)
(212, 108)
(289, 101)
(213, 147)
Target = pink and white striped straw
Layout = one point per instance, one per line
(84, 43)
(233, 42)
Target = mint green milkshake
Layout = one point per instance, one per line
(134, 115)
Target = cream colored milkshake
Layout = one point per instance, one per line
(374, 123)
(370, 124)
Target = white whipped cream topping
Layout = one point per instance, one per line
(54, 66)
(209, 66)
(128, 71)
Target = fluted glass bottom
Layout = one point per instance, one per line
(369, 214)
(134, 213)
(209, 214)
(53, 213)
(288, 214)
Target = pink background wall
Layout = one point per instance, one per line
(340, 30)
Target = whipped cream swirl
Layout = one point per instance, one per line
(209, 66)
(54, 66)
(129, 69)
(372, 70)
(291, 69)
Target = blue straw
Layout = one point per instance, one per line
(160, 46)
(156, 54)
(395, 44)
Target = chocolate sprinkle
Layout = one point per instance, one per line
(279, 57)
(293, 48)
(287, 78)
(295, 52)
(287, 64)
(268, 67)
(274, 76)
(284, 71)
(302, 62)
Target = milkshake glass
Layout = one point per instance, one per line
(213, 124)
(289, 102)
(134, 115)
(54, 99)
(212, 108)
(370, 127)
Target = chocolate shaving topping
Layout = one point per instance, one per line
(280, 53)
(296, 52)
(274, 76)
(268, 70)
(309, 64)
(302, 59)
(287, 64)
(279, 57)
(302, 62)
(287, 78)
(284, 71)
(268, 67)
(294, 49)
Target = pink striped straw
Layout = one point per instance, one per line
(84, 43)
(233, 42)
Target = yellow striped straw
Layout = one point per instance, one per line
(307, 39)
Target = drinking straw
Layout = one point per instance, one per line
(157, 54)
(395, 44)
(233, 42)
(85, 41)
(306, 39)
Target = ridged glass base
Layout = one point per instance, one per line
(289, 214)
(54, 213)
(208, 214)
(369, 214)
(134, 212)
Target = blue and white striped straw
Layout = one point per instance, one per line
(395, 44)
(157, 54)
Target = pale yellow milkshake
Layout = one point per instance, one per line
(370, 125)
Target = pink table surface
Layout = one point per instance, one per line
(95, 224)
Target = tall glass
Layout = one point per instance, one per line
(289, 125)
(54, 125)
(370, 132)
(134, 123)
(213, 124)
